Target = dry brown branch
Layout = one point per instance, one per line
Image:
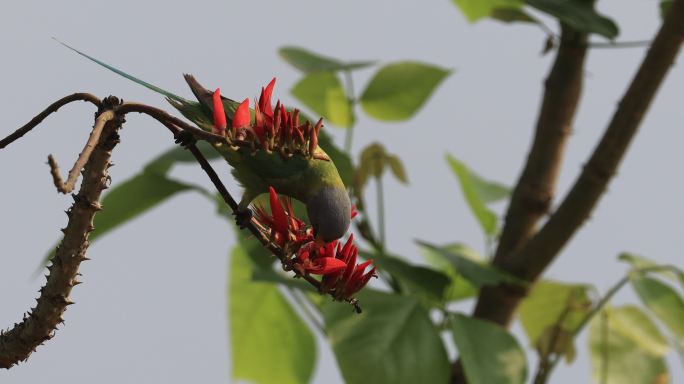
(83, 157)
(49, 110)
(40, 323)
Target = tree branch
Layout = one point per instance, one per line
(536, 187)
(40, 323)
(499, 303)
(603, 164)
(49, 110)
(83, 157)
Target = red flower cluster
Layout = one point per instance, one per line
(342, 277)
(273, 129)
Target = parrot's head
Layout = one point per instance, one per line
(329, 211)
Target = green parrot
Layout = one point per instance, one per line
(275, 150)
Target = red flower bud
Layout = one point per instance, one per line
(219, 114)
(241, 117)
(265, 99)
(279, 216)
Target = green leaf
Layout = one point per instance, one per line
(459, 287)
(489, 354)
(398, 90)
(665, 7)
(477, 9)
(134, 197)
(663, 301)
(269, 342)
(307, 61)
(392, 342)
(550, 307)
(580, 14)
(373, 161)
(616, 354)
(635, 325)
(641, 262)
(423, 281)
(397, 168)
(322, 92)
(478, 192)
(477, 273)
(512, 15)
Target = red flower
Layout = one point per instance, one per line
(279, 217)
(347, 282)
(219, 114)
(319, 265)
(241, 118)
(265, 99)
(282, 224)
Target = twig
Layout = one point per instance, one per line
(40, 323)
(621, 44)
(49, 110)
(165, 118)
(83, 157)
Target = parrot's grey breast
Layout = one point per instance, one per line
(329, 210)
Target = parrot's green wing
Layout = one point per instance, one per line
(197, 112)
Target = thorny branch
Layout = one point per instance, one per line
(83, 157)
(40, 323)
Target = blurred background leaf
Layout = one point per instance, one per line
(398, 90)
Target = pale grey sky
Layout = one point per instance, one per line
(152, 307)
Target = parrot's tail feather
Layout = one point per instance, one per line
(124, 74)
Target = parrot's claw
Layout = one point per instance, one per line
(185, 138)
(243, 217)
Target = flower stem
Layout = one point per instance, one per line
(381, 210)
(351, 99)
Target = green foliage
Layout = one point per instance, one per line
(636, 325)
(398, 90)
(393, 341)
(551, 313)
(323, 93)
(489, 354)
(616, 357)
(478, 192)
(374, 160)
(512, 15)
(663, 301)
(459, 287)
(580, 14)
(269, 342)
(307, 61)
(476, 9)
(476, 272)
(639, 262)
(428, 284)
